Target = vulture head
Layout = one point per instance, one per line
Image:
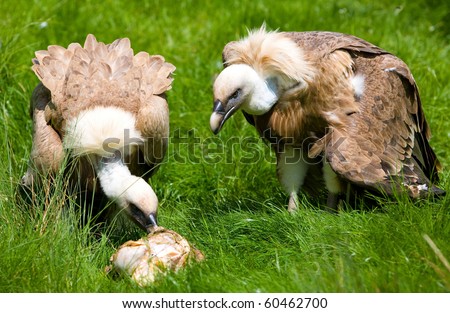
(130, 192)
(258, 71)
(241, 87)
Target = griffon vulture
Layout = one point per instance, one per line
(334, 98)
(103, 108)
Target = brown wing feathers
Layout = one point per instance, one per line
(392, 115)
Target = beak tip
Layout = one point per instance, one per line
(153, 220)
(215, 122)
(152, 223)
(215, 131)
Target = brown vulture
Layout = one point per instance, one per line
(335, 108)
(103, 109)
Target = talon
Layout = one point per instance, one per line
(293, 202)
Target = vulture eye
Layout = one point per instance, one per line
(235, 94)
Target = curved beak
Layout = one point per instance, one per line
(146, 222)
(219, 116)
(152, 223)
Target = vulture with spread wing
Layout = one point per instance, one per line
(332, 104)
(103, 109)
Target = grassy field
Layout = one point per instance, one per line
(228, 204)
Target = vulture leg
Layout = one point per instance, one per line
(293, 202)
(333, 185)
(291, 170)
(332, 202)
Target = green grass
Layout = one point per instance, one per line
(234, 211)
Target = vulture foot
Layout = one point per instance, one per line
(293, 202)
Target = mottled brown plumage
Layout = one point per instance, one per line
(347, 101)
(103, 107)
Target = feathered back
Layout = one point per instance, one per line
(101, 74)
(270, 53)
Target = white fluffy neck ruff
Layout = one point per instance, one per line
(273, 54)
(101, 130)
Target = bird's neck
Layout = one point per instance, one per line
(130, 192)
(264, 96)
(116, 179)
